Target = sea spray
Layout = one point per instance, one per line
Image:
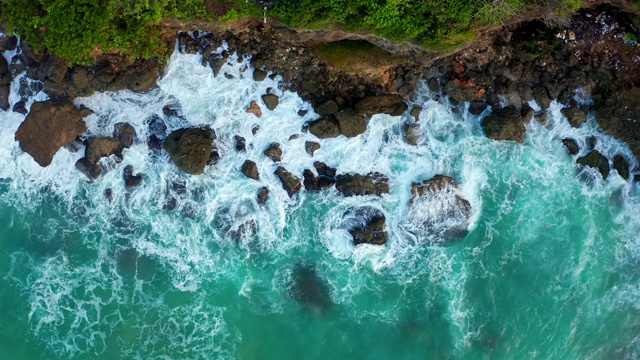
(547, 269)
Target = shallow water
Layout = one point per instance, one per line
(547, 270)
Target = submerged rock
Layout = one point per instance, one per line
(309, 289)
(369, 227)
(131, 181)
(263, 195)
(290, 183)
(239, 143)
(596, 160)
(311, 147)
(48, 126)
(190, 149)
(412, 133)
(391, 104)
(250, 170)
(356, 184)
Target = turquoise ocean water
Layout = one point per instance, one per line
(548, 270)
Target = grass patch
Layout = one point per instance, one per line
(355, 55)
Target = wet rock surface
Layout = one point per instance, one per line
(125, 134)
(48, 126)
(351, 123)
(131, 180)
(290, 183)
(190, 149)
(100, 147)
(505, 124)
(571, 146)
(597, 161)
(325, 128)
(250, 170)
(359, 185)
(369, 227)
(274, 152)
(263, 195)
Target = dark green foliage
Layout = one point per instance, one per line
(73, 29)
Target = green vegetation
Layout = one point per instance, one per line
(79, 29)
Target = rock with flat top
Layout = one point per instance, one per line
(190, 149)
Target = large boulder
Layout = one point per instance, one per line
(100, 147)
(505, 124)
(271, 101)
(125, 133)
(596, 160)
(357, 184)
(274, 152)
(290, 183)
(325, 128)
(50, 125)
(351, 123)
(392, 104)
(190, 149)
(368, 227)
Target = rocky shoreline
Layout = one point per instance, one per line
(595, 55)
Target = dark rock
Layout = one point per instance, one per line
(20, 107)
(190, 149)
(8, 43)
(477, 107)
(90, 170)
(216, 62)
(369, 227)
(351, 123)
(574, 115)
(75, 145)
(311, 147)
(310, 181)
(505, 124)
(356, 184)
(324, 128)
(433, 84)
(170, 204)
(271, 101)
(596, 160)
(108, 194)
(124, 133)
(274, 152)
(289, 182)
(415, 113)
(80, 78)
(157, 126)
(4, 97)
(438, 184)
(240, 143)
(131, 181)
(324, 170)
(391, 104)
(622, 166)
(259, 75)
(620, 117)
(250, 170)
(48, 126)
(309, 289)
(4, 65)
(255, 129)
(571, 145)
(263, 195)
(154, 143)
(214, 156)
(328, 108)
(53, 68)
(302, 112)
(100, 147)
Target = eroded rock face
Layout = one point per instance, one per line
(290, 183)
(190, 149)
(596, 160)
(369, 226)
(357, 184)
(50, 125)
(391, 104)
